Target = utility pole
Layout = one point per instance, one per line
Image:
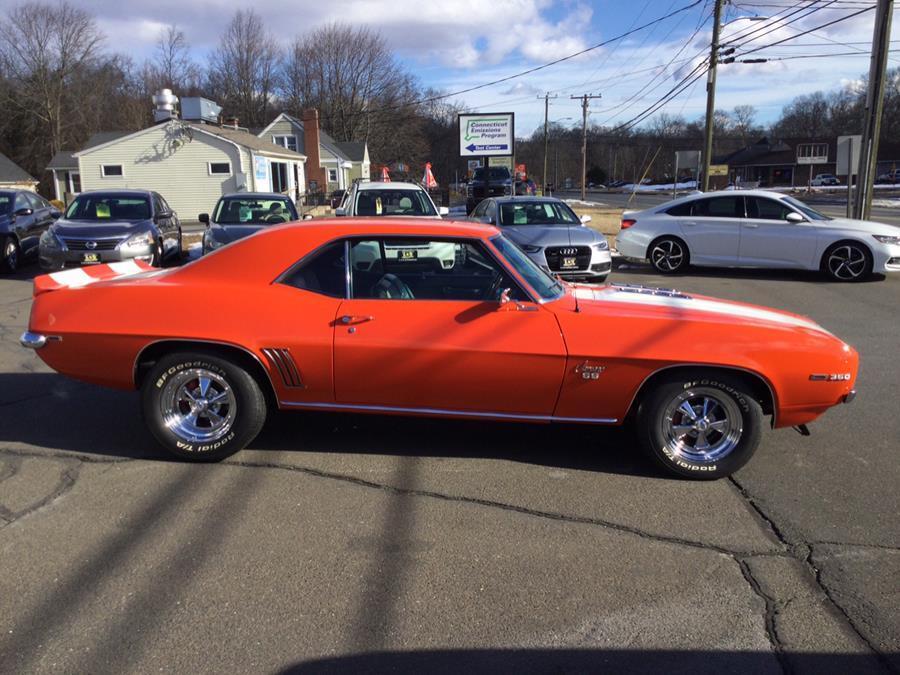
(868, 153)
(546, 98)
(585, 98)
(711, 93)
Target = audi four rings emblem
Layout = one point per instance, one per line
(569, 251)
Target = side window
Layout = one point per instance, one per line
(766, 209)
(719, 207)
(322, 272)
(22, 202)
(480, 209)
(681, 209)
(36, 202)
(428, 269)
(157, 204)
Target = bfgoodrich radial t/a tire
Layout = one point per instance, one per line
(202, 407)
(700, 427)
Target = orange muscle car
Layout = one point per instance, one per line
(360, 316)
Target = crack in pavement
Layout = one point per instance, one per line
(770, 615)
(806, 558)
(67, 480)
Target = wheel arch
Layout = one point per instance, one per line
(242, 356)
(839, 242)
(760, 387)
(668, 235)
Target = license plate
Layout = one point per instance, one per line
(568, 263)
(407, 255)
(90, 258)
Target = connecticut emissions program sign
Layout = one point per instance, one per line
(486, 134)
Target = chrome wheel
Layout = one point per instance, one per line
(198, 405)
(702, 425)
(847, 262)
(667, 255)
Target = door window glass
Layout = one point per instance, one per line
(767, 209)
(36, 203)
(719, 207)
(428, 269)
(21, 202)
(322, 272)
(480, 209)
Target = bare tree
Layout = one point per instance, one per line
(742, 121)
(171, 65)
(242, 71)
(45, 48)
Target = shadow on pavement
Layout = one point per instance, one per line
(471, 661)
(627, 268)
(58, 413)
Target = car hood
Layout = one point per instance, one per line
(863, 226)
(552, 235)
(80, 229)
(672, 304)
(234, 232)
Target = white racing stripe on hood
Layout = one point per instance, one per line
(73, 278)
(700, 305)
(126, 267)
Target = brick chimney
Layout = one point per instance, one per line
(314, 170)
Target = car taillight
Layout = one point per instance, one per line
(627, 222)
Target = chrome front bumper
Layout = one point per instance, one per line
(32, 340)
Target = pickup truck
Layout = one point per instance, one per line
(498, 184)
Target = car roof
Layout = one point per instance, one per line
(527, 199)
(381, 225)
(124, 192)
(393, 185)
(254, 195)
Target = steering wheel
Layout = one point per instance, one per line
(274, 219)
(495, 290)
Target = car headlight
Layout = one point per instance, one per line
(887, 239)
(50, 240)
(528, 248)
(140, 240)
(601, 245)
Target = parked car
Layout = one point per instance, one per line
(24, 217)
(241, 214)
(892, 176)
(495, 181)
(397, 200)
(113, 225)
(757, 228)
(495, 338)
(551, 234)
(824, 179)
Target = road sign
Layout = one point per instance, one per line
(848, 147)
(487, 134)
(688, 159)
(812, 153)
(501, 161)
(718, 169)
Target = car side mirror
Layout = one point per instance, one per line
(56, 214)
(203, 218)
(444, 211)
(585, 219)
(504, 296)
(340, 212)
(307, 217)
(24, 212)
(794, 217)
(162, 215)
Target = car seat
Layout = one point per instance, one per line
(365, 205)
(391, 287)
(405, 204)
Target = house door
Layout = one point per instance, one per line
(279, 177)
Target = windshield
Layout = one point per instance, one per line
(254, 211)
(389, 202)
(496, 173)
(544, 285)
(103, 207)
(537, 213)
(803, 208)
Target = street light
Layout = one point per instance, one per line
(711, 85)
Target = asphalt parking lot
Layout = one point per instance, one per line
(343, 543)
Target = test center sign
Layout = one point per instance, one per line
(486, 135)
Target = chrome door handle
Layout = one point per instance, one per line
(753, 225)
(691, 222)
(346, 319)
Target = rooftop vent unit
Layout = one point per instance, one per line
(164, 101)
(197, 109)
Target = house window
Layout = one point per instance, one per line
(289, 142)
(220, 168)
(332, 175)
(112, 170)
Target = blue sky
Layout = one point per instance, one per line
(464, 43)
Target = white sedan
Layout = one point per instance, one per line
(757, 228)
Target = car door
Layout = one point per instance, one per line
(414, 336)
(163, 217)
(769, 240)
(27, 222)
(43, 217)
(713, 229)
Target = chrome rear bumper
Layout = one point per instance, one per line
(849, 396)
(32, 340)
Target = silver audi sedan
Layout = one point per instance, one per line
(551, 234)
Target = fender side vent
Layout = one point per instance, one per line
(283, 362)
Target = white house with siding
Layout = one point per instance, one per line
(191, 164)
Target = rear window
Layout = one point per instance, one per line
(719, 207)
(253, 211)
(322, 272)
(393, 203)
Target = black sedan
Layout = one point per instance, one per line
(24, 217)
(106, 226)
(241, 214)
